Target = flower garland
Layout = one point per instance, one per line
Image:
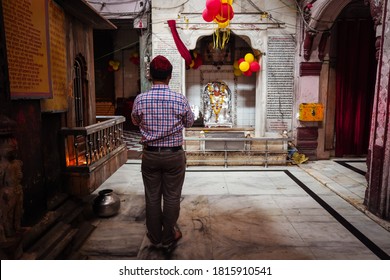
(216, 105)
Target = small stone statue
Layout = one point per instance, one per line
(217, 104)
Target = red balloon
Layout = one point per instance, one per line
(226, 11)
(247, 73)
(213, 5)
(207, 16)
(240, 60)
(254, 66)
(231, 15)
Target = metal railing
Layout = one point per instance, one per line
(86, 147)
(237, 151)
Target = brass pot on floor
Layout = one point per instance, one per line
(106, 204)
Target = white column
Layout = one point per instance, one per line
(261, 94)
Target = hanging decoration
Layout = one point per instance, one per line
(134, 58)
(184, 52)
(220, 12)
(113, 65)
(246, 66)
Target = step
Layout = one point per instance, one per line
(82, 235)
(60, 233)
(61, 245)
(48, 241)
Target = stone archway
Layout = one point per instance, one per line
(377, 197)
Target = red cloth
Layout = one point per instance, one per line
(184, 52)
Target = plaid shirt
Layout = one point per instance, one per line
(161, 115)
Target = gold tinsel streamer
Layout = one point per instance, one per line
(221, 38)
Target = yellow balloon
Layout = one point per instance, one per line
(230, 2)
(244, 66)
(235, 65)
(237, 72)
(249, 58)
(223, 24)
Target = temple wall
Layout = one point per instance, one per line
(253, 105)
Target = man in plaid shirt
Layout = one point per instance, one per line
(161, 115)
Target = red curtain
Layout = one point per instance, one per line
(355, 85)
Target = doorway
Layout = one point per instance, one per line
(354, 43)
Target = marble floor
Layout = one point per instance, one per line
(313, 211)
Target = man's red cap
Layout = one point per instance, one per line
(160, 68)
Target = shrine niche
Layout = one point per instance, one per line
(217, 105)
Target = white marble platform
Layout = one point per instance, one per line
(248, 213)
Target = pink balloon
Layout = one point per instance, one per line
(213, 5)
(254, 66)
(207, 16)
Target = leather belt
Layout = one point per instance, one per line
(163, 149)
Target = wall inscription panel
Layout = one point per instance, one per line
(280, 83)
(26, 33)
(59, 102)
(164, 45)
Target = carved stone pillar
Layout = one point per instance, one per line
(11, 192)
(377, 197)
(376, 7)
